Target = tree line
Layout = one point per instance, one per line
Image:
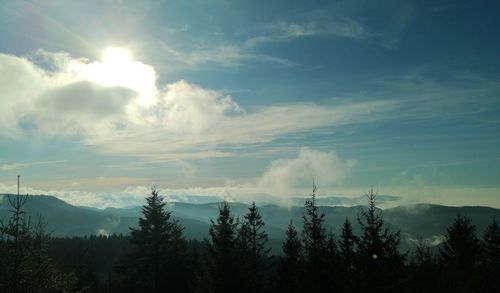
(235, 256)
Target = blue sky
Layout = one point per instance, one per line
(249, 100)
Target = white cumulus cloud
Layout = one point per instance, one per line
(289, 177)
(119, 108)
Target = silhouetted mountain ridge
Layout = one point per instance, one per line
(416, 220)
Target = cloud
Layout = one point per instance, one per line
(60, 100)
(224, 55)
(282, 180)
(126, 197)
(340, 27)
(82, 106)
(22, 165)
(190, 108)
(239, 129)
(120, 109)
(432, 241)
(285, 177)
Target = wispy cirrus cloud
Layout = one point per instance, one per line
(13, 166)
(224, 55)
(283, 30)
(341, 27)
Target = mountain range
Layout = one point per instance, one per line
(415, 221)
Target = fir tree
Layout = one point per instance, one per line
(332, 262)
(315, 245)
(158, 256)
(25, 263)
(490, 259)
(222, 260)
(459, 254)
(331, 246)
(253, 240)
(347, 258)
(347, 244)
(290, 265)
(380, 260)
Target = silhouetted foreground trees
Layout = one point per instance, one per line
(158, 258)
(25, 265)
(235, 257)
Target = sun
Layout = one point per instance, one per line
(117, 67)
(116, 55)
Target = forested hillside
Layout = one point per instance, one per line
(321, 249)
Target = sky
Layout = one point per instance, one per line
(250, 100)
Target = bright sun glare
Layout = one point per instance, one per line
(118, 68)
(116, 55)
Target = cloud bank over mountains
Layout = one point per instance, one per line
(283, 180)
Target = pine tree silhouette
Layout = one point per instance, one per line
(332, 259)
(315, 246)
(25, 263)
(158, 252)
(290, 265)
(255, 259)
(222, 260)
(381, 263)
(347, 257)
(489, 269)
(459, 254)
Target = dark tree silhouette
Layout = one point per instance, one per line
(253, 242)
(332, 259)
(459, 254)
(25, 264)
(157, 260)
(489, 268)
(347, 244)
(314, 239)
(381, 262)
(347, 257)
(83, 268)
(290, 264)
(223, 264)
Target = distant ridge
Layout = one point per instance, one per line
(415, 220)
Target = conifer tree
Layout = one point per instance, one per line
(25, 263)
(290, 265)
(380, 261)
(331, 246)
(253, 240)
(459, 255)
(314, 239)
(347, 258)
(490, 259)
(159, 251)
(347, 245)
(332, 262)
(222, 259)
